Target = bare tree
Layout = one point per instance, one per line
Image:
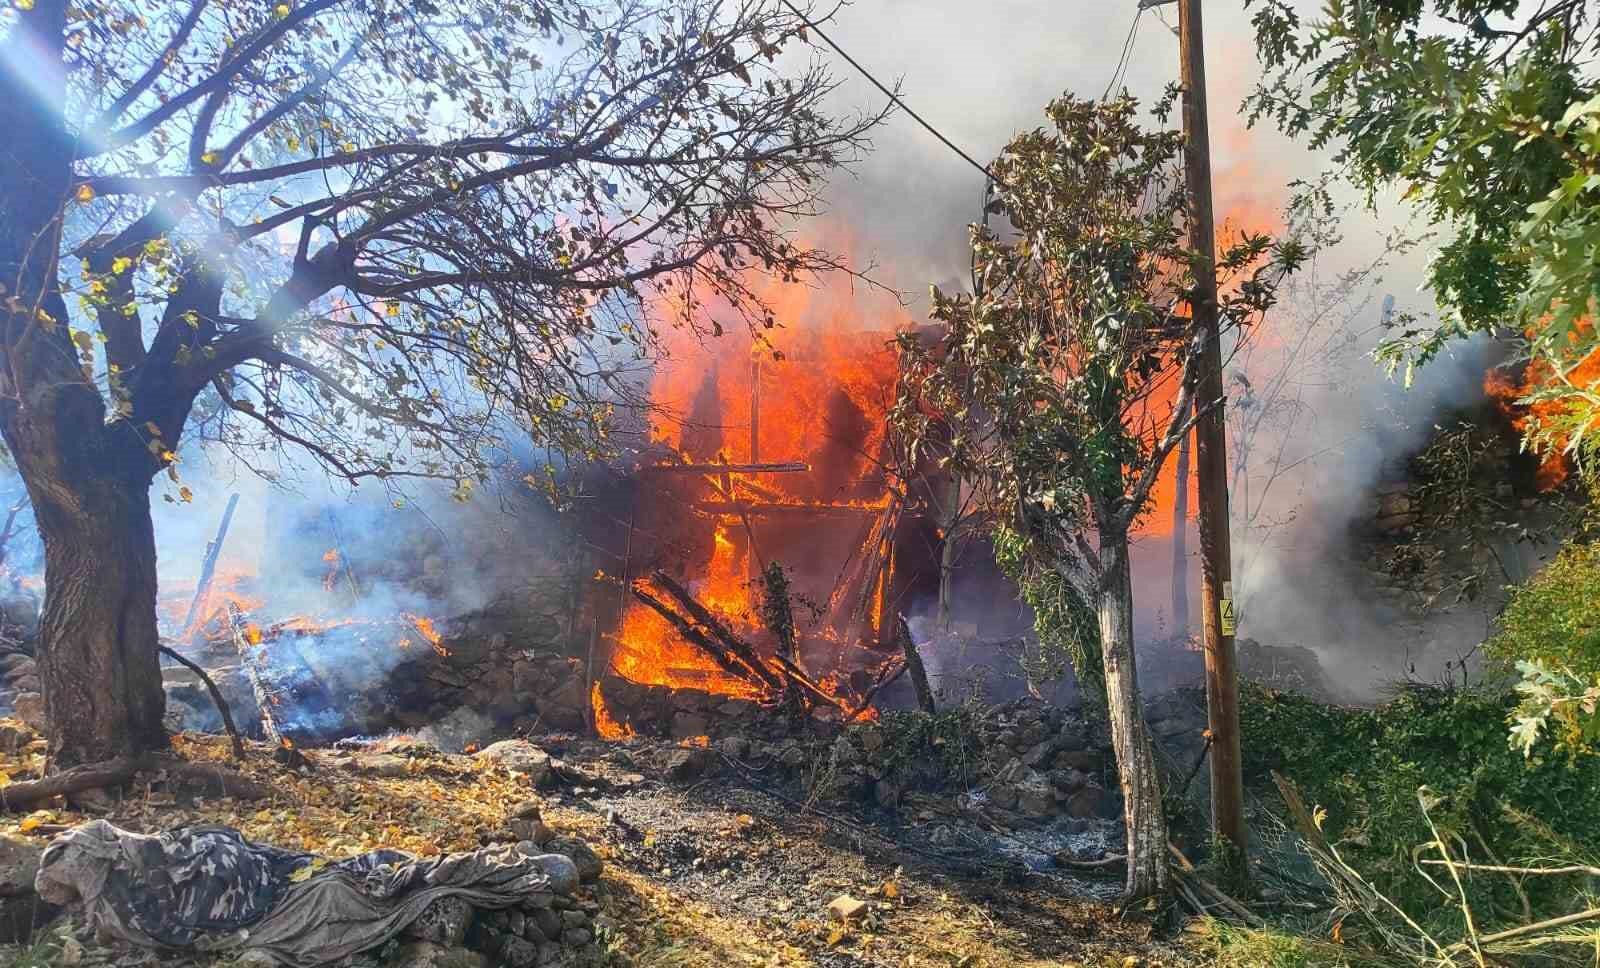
(386, 234)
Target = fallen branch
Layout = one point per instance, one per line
(883, 681)
(110, 773)
(218, 780)
(216, 697)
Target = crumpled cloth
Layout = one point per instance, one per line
(208, 888)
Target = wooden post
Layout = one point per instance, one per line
(1180, 542)
(1211, 458)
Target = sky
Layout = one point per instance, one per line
(982, 72)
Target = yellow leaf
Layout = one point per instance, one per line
(393, 309)
(209, 158)
(23, 4)
(836, 935)
(5, 779)
(891, 889)
(282, 10)
(185, 495)
(85, 193)
(120, 264)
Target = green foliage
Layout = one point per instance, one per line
(777, 610)
(1064, 623)
(1555, 617)
(1058, 388)
(938, 749)
(1365, 767)
(1550, 632)
(1235, 946)
(1494, 133)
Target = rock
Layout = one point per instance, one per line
(1039, 754)
(844, 752)
(547, 923)
(577, 937)
(444, 922)
(517, 756)
(1090, 803)
(535, 830)
(549, 954)
(519, 953)
(427, 954)
(17, 667)
(1035, 797)
(792, 755)
(734, 747)
(21, 910)
(582, 856)
(379, 764)
(574, 919)
(29, 707)
(1012, 772)
(14, 735)
(887, 793)
(1086, 760)
(688, 725)
(844, 907)
(1068, 780)
(872, 739)
(686, 762)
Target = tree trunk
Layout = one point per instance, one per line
(1136, 769)
(98, 646)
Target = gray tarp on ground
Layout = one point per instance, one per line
(208, 888)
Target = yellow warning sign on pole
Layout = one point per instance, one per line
(1225, 606)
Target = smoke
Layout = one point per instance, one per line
(1341, 423)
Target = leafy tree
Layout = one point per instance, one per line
(384, 233)
(1057, 390)
(1487, 114)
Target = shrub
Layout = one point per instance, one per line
(1365, 766)
(1554, 618)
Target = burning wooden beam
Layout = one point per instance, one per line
(919, 672)
(208, 569)
(737, 508)
(266, 697)
(783, 467)
(745, 652)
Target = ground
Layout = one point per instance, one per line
(714, 873)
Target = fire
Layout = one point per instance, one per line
(425, 628)
(1509, 387)
(604, 723)
(814, 391)
(330, 578)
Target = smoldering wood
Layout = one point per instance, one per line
(216, 697)
(266, 698)
(208, 568)
(891, 672)
(919, 672)
(776, 508)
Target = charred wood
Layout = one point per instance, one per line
(208, 569)
(919, 673)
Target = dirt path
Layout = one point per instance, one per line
(717, 873)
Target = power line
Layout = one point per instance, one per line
(1126, 59)
(890, 94)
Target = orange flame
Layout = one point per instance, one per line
(604, 723)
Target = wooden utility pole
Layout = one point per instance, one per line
(1211, 460)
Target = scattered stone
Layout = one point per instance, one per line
(443, 922)
(887, 793)
(687, 725)
(1035, 797)
(577, 937)
(14, 735)
(734, 747)
(574, 919)
(844, 907)
(29, 707)
(547, 923)
(385, 765)
(518, 756)
(519, 953)
(21, 910)
(427, 954)
(686, 762)
(549, 954)
(1039, 754)
(844, 752)
(582, 856)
